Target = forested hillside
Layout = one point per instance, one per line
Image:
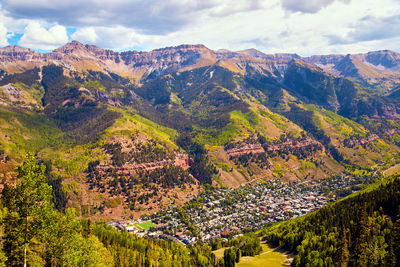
(36, 234)
(129, 134)
(169, 133)
(360, 230)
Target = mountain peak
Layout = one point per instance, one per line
(74, 43)
(384, 51)
(15, 49)
(386, 58)
(253, 53)
(70, 47)
(184, 47)
(299, 62)
(192, 46)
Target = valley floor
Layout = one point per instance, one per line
(223, 213)
(270, 257)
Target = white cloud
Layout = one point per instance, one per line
(3, 35)
(307, 6)
(150, 16)
(294, 26)
(85, 35)
(117, 38)
(269, 29)
(37, 37)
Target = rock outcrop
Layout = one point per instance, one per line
(369, 69)
(181, 160)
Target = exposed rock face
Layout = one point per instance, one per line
(258, 149)
(276, 57)
(355, 141)
(314, 79)
(69, 48)
(251, 148)
(369, 69)
(372, 69)
(384, 58)
(293, 144)
(12, 91)
(347, 68)
(181, 160)
(74, 54)
(160, 61)
(323, 60)
(13, 53)
(352, 142)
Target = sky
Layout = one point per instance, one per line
(305, 27)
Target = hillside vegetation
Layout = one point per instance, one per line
(153, 134)
(36, 234)
(360, 230)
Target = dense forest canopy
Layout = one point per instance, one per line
(360, 230)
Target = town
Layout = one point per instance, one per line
(225, 213)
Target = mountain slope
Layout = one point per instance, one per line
(378, 70)
(134, 126)
(360, 230)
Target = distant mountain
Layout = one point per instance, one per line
(148, 128)
(378, 69)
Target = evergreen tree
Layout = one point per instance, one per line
(343, 252)
(357, 231)
(395, 242)
(238, 255)
(229, 257)
(28, 204)
(361, 245)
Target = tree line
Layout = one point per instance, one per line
(34, 233)
(361, 230)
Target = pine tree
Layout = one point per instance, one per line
(238, 255)
(229, 257)
(343, 252)
(27, 204)
(395, 244)
(361, 247)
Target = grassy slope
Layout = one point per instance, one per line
(267, 257)
(29, 131)
(339, 128)
(258, 120)
(33, 132)
(261, 120)
(130, 124)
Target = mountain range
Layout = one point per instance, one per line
(378, 69)
(128, 133)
